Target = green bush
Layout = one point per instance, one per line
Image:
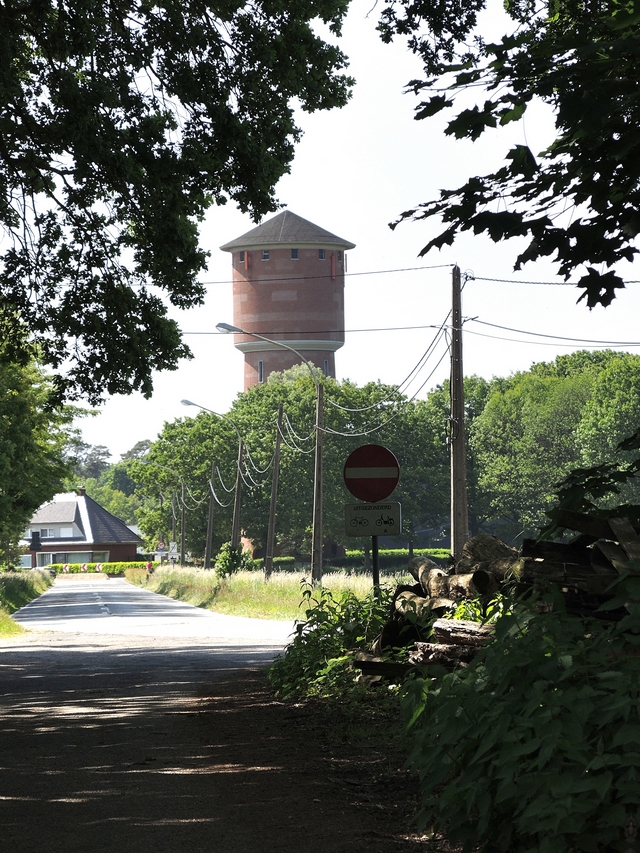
(318, 660)
(536, 745)
(231, 560)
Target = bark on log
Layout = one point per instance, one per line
(461, 632)
(434, 581)
(417, 565)
(483, 548)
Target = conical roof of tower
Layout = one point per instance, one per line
(286, 230)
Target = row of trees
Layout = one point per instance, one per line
(526, 432)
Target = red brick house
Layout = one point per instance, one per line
(74, 528)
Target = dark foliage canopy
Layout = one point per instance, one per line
(120, 124)
(577, 202)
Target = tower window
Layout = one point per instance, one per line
(261, 372)
(326, 367)
(265, 254)
(241, 258)
(294, 254)
(321, 254)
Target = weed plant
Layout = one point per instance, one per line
(318, 660)
(536, 745)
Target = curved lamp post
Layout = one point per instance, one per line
(235, 526)
(316, 535)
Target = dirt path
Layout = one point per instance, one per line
(135, 744)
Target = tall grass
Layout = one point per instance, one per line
(247, 594)
(16, 590)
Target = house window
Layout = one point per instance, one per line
(66, 532)
(47, 533)
(294, 254)
(326, 367)
(100, 557)
(265, 254)
(241, 258)
(321, 255)
(261, 371)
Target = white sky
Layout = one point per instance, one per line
(356, 170)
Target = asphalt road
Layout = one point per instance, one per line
(103, 742)
(115, 608)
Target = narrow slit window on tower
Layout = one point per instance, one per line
(261, 372)
(265, 254)
(241, 258)
(326, 367)
(321, 255)
(294, 254)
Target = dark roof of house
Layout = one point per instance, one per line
(99, 525)
(58, 512)
(106, 527)
(286, 229)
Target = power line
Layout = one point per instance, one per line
(328, 275)
(555, 337)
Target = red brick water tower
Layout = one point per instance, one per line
(288, 285)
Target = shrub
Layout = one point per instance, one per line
(231, 560)
(318, 660)
(536, 746)
(103, 568)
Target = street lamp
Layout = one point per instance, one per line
(235, 525)
(316, 534)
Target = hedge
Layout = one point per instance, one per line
(104, 568)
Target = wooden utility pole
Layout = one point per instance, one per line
(316, 543)
(235, 526)
(207, 544)
(459, 507)
(271, 529)
(182, 528)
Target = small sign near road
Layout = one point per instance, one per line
(161, 547)
(371, 473)
(380, 519)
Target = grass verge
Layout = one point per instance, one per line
(16, 590)
(247, 594)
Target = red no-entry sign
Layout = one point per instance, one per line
(371, 473)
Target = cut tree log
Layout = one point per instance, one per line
(481, 549)
(462, 586)
(434, 581)
(461, 632)
(417, 565)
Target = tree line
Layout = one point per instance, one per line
(526, 432)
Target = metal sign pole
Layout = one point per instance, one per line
(375, 567)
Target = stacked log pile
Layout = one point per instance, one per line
(584, 570)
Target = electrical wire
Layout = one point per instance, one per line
(555, 337)
(217, 499)
(346, 275)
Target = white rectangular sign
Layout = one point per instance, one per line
(380, 519)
